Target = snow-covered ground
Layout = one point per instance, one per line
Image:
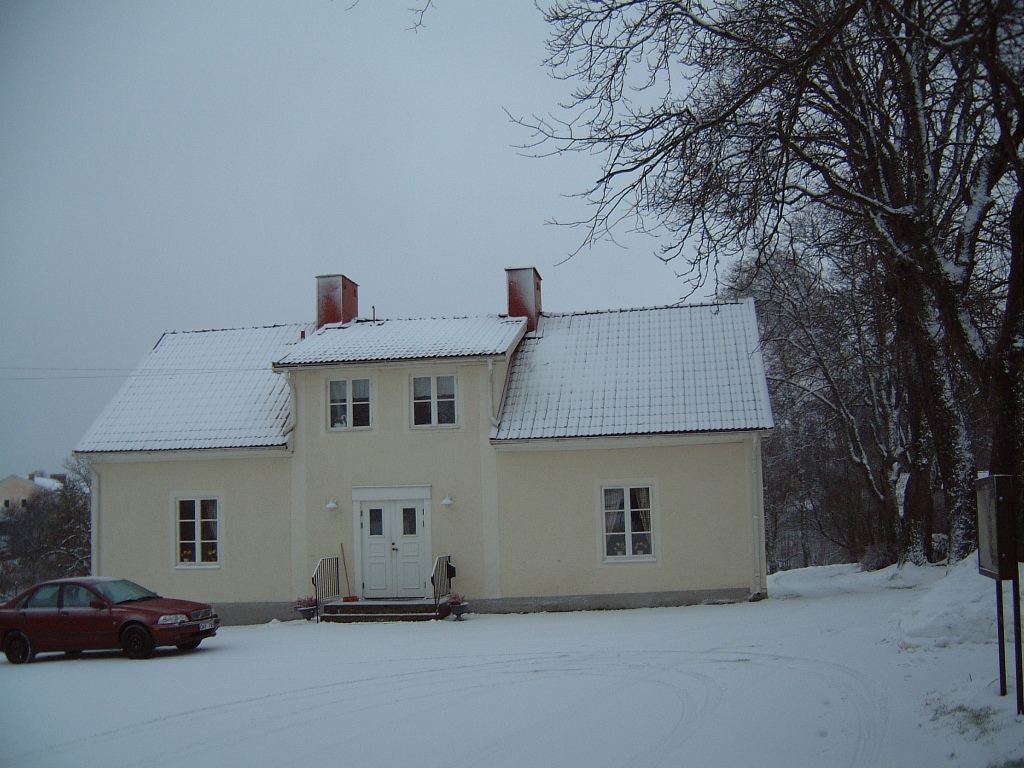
(837, 668)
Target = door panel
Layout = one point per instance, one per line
(376, 555)
(393, 549)
(85, 626)
(39, 616)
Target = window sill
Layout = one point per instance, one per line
(350, 429)
(630, 559)
(196, 566)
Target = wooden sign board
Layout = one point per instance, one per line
(997, 546)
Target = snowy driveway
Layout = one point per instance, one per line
(820, 675)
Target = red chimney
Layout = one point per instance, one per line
(337, 299)
(524, 295)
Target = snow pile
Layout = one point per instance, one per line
(959, 608)
(833, 580)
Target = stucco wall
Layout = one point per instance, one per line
(704, 505)
(451, 460)
(136, 526)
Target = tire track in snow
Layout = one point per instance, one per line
(552, 697)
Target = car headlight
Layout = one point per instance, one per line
(173, 618)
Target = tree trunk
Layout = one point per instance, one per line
(942, 413)
(1006, 389)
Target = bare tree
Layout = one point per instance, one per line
(51, 536)
(722, 123)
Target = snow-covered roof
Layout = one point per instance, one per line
(623, 372)
(41, 481)
(379, 340)
(690, 368)
(47, 482)
(201, 389)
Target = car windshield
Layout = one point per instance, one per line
(123, 591)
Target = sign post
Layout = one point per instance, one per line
(997, 559)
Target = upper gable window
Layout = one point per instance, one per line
(349, 404)
(433, 400)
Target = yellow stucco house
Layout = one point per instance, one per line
(562, 461)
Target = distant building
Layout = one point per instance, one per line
(17, 491)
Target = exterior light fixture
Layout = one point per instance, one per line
(447, 501)
(331, 505)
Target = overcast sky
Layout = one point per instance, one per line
(190, 165)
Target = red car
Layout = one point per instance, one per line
(99, 612)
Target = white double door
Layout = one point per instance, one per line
(394, 549)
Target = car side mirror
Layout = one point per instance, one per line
(96, 604)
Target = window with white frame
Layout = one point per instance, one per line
(628, 533)
(433, 400)
(349, 406)
(198, 532)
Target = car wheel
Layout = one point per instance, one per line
(189, 646)
(136, 642)
(17, 648)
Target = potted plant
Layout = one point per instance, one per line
(458, 605)
(306, 606)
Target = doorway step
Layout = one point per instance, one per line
(347, 612)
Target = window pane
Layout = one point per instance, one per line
(640, 498)
(640, 521)
(76, 596)
(614, 498)
(339, 391)
(187, 509)
(642, 544)
(421, 412)
(209, 509)
(376, 522)
(614, 521)
(209, 553)
(409, 521)
(421, 387)
(360, 414)
(445, 387)
(360, 390)
(186, 530)
(209, 530)
(187, 552)
(445, 411)
(339, 415)
(615, 545)
(45, 597)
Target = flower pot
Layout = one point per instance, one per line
(458, 609)
(307, 612)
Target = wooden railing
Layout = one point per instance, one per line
(326, 581)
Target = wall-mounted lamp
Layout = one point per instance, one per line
(447, 502)
(331, 505)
